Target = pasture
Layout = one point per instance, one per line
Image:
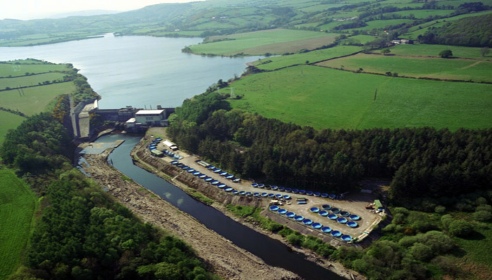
(31, 80)
(276, 41)
(9, 121)
(34, 100)
(408, 66)
(433, 51)
(17, 207)
(273, 63)
(18, 68)
(328, 98)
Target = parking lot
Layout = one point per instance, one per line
(285, 198)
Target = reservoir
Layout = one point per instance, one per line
(137, 70)
(271, 251)
(145, 72)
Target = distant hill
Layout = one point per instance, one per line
(471, 31)
(83, 13)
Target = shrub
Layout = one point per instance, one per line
(460, 228)
(446, 54)
(295, 239)
(482, 216)
(439, 209)
(421, 252)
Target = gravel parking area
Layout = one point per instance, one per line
(354, 203)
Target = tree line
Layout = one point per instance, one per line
(420, 161)
(81, 232)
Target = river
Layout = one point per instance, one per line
(136, 70)
(272, 251)
(148, 71)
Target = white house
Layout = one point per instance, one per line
(151, 117)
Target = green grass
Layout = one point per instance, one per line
(272, 63)
(21, 67)
(438, 68)
(418, 14)
(381, 24)
(434, 50)
(32, 80)
(17, 206)
(328, 98)
(35, 99)
(276, 41)
(478, 249)
(9, 121)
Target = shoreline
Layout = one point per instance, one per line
(150, 208)
(333, 266)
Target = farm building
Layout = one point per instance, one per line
(151, 117)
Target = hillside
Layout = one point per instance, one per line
(472, 31)
(381, 19)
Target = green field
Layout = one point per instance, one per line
(408, 66)
(328, 98)
(21, 67)
(32, 80)
(433, 51)
(34, 100)
(17, 206)
(276, 41)
(272, 63)
(9, 121)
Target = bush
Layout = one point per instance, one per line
(439, 209)
(446, 54)
(421, 252)
(285, 232)
(482, 216)
(295, 239)
(446, 221)
(460, 228)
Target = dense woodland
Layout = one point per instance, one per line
(420, 161)
(82, 233)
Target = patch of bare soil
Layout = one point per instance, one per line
(225, 259)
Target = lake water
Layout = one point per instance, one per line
(147, 71)
(136, 70)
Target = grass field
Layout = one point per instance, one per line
(433, 50)
(35, 99)
(9, 121)
(448, 69)
(272, 63)
(276, 41)
(478, 248)
(17, 206)
(21, 67)
(328, 98)
(31, 80)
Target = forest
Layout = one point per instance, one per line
(422, 162)
(82, 233)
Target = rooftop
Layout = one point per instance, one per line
(149, 112)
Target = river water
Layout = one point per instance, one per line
(271, 251)
(145, 72)
(136, 70)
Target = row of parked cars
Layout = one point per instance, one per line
(294, 190)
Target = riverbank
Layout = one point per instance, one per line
(142, 157)
(223, 258)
